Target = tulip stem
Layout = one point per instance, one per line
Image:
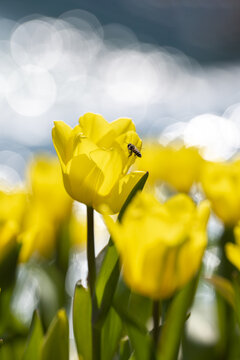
(156, 317)
(96, 333)
(91, 250)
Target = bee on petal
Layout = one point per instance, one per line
(132, 149)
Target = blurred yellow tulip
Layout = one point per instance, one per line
(160, 245)
(46, 187)
(38, 235)
(12, 208)
(221, 184)
(233, 250)
(78, 231)
(178, 166)
(48, 205)
(12, 205)
(95, 159)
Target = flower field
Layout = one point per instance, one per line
(113, 248)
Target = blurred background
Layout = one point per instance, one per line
(171, 66)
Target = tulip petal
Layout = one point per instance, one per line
(110, 163)
(237, 234)
(131, 137)
(83, 146)
(82, 178)
(120, 191)
(97, 129)
(233, 254)
(61, 134)
(122, 125)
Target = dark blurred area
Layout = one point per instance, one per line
(205, 30)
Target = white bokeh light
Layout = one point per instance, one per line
(219, 138)
(36, 42)
(31, 91)
(59, 68)
(127, 82)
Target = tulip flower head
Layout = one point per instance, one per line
(160, 245)
(46, 187)
(95, 160)
(12, 210)
(177, 166)
(221, 184)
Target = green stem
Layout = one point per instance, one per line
(225, 312)
(91, 250)
(96, 333)
(156, 318)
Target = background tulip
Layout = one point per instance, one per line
(221, 184)
(160, 245)
(178, 166)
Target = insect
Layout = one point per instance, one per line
(132, 149)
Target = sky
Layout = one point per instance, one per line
(206, 30)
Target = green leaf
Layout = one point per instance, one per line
(109, 272)
(111, 334)
(236, 287)
(172, 330)
(141, 342)
(224, 287)
(133, 308)
(56, 341)
(8, 266)
(138, 187)
(82, 312)
(63, 247)
(32, 350)
(13, 349)
(125, 350)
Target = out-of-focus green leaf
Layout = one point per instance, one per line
(125, 350)
(32, 350)
(111, 334)
(63, 247)
(9, 323)
(109, 272)
(56, 341)
(172, 330)
(12, 348)
(134, 311)
(8, 266)
(141, 342)
(224, 287)
(133, 308)
(52, 297)
(236, 287)
(82, 312)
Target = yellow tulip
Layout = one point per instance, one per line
(160, 245)
(12, 209)
(46, 187)
(95, 159)
(38, 235)
(221, 184)
(12, 205)
(178, 166)
(78, 231)
(233, 250)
